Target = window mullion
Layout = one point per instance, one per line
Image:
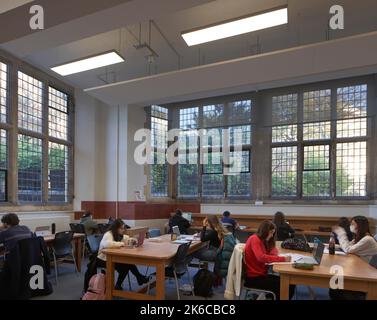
(45, 143)
(12, 138)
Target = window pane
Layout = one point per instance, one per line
(188, 139)
(351, 128)
(352, 102)
(3, 164)
(159, 176)
(316, 175)
(240, 135)
(317, 131)
(29, 169)
(159, 133)
(213, 115)
(351, 169)
(29, 103)
(284, 134)
(316, 157)
(284, 108)
(239, 162)
(188, 175)
(212, 163)
(239, 174)
(58, 114)
(284, 171)
(159, 112)
(240, 112)
(189, 118)
(213, 185)
(212, 137)
(3, 92)
(317, 105)
(57, 172)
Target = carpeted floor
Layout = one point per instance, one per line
(70, 286)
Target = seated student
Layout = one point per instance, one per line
(91, 227)
(213, 232)
(260, 250)
(345, 224)
(362, 245)
(177, 220)
(12, 232)
(114, 239)
(226, 219)
(284, 230)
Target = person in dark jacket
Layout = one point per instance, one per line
(177, 220)
(12, 232)
(284, 230)
(213, 232)
(224, 254)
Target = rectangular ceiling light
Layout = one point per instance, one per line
(94, 62)
(240, 26)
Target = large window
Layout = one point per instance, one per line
(159, 170)
(303, 164)
(35, 139)
(205, 170)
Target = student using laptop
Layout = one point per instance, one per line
(362, 245)
(284, 230)
(260, 250)
(114, 238)
(178, 220)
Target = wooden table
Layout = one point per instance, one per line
(152, 253)
(297, 232)
(358, 274)
(78, 242)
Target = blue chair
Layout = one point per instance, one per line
(154, 233)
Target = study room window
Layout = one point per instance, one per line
(3, 92)
(159, 169)
(3, 165)
(57, 172)
(29, 103)
(58, 114)
(29, 169)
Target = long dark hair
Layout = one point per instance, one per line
(117, 223)
(362, 227)
(215, 224)
(279, 218)
(264, 229)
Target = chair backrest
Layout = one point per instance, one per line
(180, 262)
(242, 236)
(62, 243)
(373, 261)
(94, 241)
(77, 227)
(103, 227)
(153, 233)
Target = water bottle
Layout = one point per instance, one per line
(332, 244)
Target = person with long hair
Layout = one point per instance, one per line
(284, 230)
(346, 225)
(362, 245)
(212, 232)
(114, 238)
(260, 250)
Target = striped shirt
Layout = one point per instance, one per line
(9, 237)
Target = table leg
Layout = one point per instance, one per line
(284, 287)
(160, 281)
(78, 253)
(372, 292)
(109, 277)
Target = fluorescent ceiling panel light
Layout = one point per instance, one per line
(98, 61)
(237, 27)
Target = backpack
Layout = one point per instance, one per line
(203, 283)
(97, 288)
(296, 244)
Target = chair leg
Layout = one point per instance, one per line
(177, 285)
(190, 282)
(146, 272)
(129, 281)
(56, 268)
(74, 261)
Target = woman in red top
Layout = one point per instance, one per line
(260, 250)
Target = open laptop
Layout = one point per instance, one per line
(140, 239)
(187, 216)
(316, 259)
(42, 231)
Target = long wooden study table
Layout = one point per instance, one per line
(156, 252)
(358, 274)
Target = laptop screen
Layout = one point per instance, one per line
(318, 250)
(187, 216)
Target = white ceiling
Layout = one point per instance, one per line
(6, 5)
(308, 22)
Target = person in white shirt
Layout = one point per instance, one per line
(115, 238)
(362, 245)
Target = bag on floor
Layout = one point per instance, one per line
(203, 283)
(296, 244)
(97, 288)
